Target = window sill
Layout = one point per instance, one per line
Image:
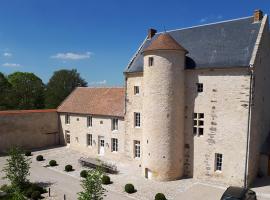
(138, 127)
(115, 131)
(137, 158)
(218, 172)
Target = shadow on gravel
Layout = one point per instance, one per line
(261, 182)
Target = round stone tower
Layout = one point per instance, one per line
(163, 109)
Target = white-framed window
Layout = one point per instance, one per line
(198, 123)
(89, 121)
(67, 133)
(89, 139)
(199, 87)
(67, 119)
(137, 149)
(136, 90)
(218, 162)
(114, 124)
(150, 61)
(114, 145)
(137, 119)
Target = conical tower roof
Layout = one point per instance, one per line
(164, 42)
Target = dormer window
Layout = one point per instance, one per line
(150, 61)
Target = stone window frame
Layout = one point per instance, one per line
(114, 144)
(198, 124)
(89, 139)
(150, 61)
(67, 134)
(218, 162)
(199, 87)
(114, 124)
(89, 121)
(137, 149)
(67, 119)
(136, 90)
(137, 119)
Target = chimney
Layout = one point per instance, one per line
(258, 15)
(151, 33)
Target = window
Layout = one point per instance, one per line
(137, 119)
(114, 124)
(77, 139)
(136, 90)
(114, 145)
(89, 121)
(67, 137)
(199, 87)
(198, 123)
(218, 162)
(67, 119)
(137, 149)
(150, 61)
(89, 139)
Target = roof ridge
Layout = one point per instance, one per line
(213, 23)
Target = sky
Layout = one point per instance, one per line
(97, 37)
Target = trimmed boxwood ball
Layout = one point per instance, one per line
(106, 180)
(28, 153)
(68, 168)
(160, 196)
(40, 158)
(52, 163)
(35, 195)
(129, 188)
(84, 173)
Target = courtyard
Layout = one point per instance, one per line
(68, 183)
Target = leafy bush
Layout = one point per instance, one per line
(52, 163)
(68, 168)
(160, 196)
(129, 188)
(106, 180)
(32, 187)
(39, 158)
(35, 195)
(28, 153)
(6, 188)
(84, 173)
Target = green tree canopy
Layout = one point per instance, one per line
(61, 84)
(27, 90)
(5, 90)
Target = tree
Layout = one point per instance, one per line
(61, 84)
(17, 168)
(27, 91)
(5, 91)
(92, 186)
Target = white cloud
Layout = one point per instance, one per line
(7, 54)
(72, 56)
(202, 20)
(103, 82)
(11, 65)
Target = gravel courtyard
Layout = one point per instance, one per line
(68, 183)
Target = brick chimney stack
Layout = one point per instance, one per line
(258, 15)
(151, 33)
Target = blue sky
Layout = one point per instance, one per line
(97, 37)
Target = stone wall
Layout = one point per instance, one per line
(28, 129)
(101, 126)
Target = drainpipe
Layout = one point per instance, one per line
(248, 126)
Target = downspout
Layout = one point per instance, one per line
(248, 126)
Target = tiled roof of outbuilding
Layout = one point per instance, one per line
(95, 101)
(218, 45)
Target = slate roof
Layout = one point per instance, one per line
(217, 45)
(95, 101)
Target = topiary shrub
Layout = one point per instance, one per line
(106, 180)
(28, 153)
(68, 168)
(84, 173)
(129, 188)
(52, 163)
(39, 158)
(35, 195)
(160, 196)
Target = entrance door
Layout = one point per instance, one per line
(148, 173)
(101, 145)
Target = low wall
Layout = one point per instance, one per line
(28, 129)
